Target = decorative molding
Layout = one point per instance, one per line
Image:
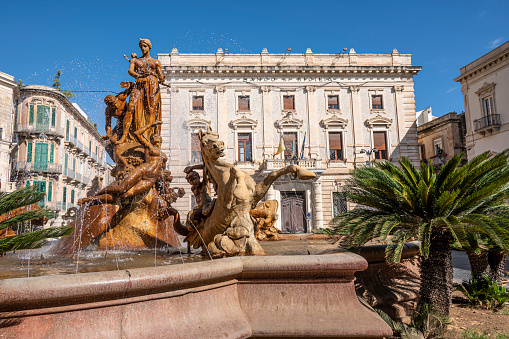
(310, 89)
(399, 88)
(334, 121)
(197, 123)
(487, 88)
(289, 122)
(265, 89)
(244, 122)
(354, 88)
(220, 89)
(174, 89)
(378, 121)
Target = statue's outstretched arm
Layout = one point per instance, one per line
(141, 137)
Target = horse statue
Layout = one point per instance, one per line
(228, 230)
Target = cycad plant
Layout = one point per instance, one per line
(438, 209)
(14, 210)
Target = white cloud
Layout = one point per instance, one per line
(452, 89)
(495, 42)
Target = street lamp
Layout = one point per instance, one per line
(368, 153)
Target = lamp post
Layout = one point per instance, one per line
(368, 153)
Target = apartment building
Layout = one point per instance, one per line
(485, 84)
(331, 111)
(58, 150)
(8, 94)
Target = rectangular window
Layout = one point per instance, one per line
(333, 102)
(74, 164)
(72, 196)
(53, 116)
(197, 103)
(380, 143)
(244, 103)
(29, 152)
(335, 146)
(41, 157)
(43, 118)
(290, 140)
(487, 106)
(289, 102)
(52, 153)
(376, 102)
(339, 203)
(66, 161)
(437, 143)
(90, 145)
(195, 148)
(245, 147)
(76, 132)
(423, 152)
(67, 129)
(50, 190)
(64, 198)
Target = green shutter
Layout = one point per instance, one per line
(41, 157)
(90, 145)
(29, 152)
(31, 115)
(53, 116)
(74, 164)
(50, 190)
(67, 128)
(76, 132)
(66, 161)
(72, 196)
(52, 153)
(28, 182)
(64, 198)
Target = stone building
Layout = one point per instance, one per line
(8, 94)
(442, 138)
(485, 84)
(58, 150)
(326, 108)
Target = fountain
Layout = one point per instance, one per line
(255, 292)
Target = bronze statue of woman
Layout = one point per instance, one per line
(145, 101)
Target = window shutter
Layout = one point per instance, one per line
(197, 103)
(50, 190)
(333, 102)
(29, 152)
(76, 132)
(288, 102)
(335, 141)
(243, 103)
(195, 143)
(52, 153)
(72, 196)
(74, 164)
(379, 141)
(53, 116)
(67, 127)
(31, 115)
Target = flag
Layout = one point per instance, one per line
(281, 147)
(303, 143)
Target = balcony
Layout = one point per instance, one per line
(9, 186)
(78, 176)
(487, 123)
(38, 167)
(80, 147)
(86, 181)
(53, 205)
(37, 128)
(94, 156)
(314, 165)
(71, 140)
(69, 173)
(86, 150)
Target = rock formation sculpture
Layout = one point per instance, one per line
(229, 229)
(265, 215)
(135, 211)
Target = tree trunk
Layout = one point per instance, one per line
(436, 273)
(497, 260)
(479, 264)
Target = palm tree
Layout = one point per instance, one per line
(439, 209)
(16, 208)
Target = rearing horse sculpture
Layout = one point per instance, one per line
(229, 229)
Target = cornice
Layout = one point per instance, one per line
(485, 66)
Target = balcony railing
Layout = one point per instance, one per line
(86, 180)
(80, 146)
(87, 150)
(94, 156)
(53, 205)
(35, 128)
(272, 164)
(487, 122)
(70, 173)
(9, 186)
(71, 140)
(38, 167)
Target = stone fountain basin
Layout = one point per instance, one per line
(240, 297)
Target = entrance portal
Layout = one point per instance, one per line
(293, 211)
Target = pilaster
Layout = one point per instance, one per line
(358, 126)
(268, 143)
(313, 122)
(318, 205)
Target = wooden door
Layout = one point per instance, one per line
(293, 214)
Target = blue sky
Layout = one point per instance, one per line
(86, 39)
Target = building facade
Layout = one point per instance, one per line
(442, 138)
(485, 84)
(8, 95)
(325, 108)
(58, 150)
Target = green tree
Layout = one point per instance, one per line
(57, 84)
(439, 209)
(24, 197)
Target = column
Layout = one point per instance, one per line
(399, 118)
(268, 124)
(222, 114)
(317, 202)
(313, 124)
(358, 135)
